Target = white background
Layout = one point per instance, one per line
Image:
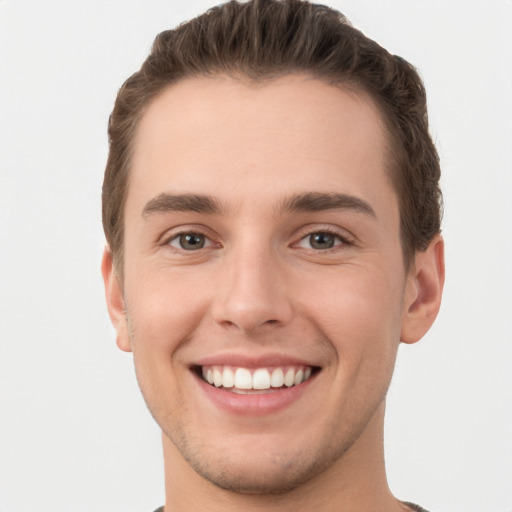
(74, 432)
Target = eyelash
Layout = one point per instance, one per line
(340, 240)
(177, 236)
(343, 240)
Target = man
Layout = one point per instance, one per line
(272, 213)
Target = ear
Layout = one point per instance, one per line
(424, 289)
(115, 301)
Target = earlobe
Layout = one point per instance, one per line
(424, 292)
(115, 301)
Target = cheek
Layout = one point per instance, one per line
(357, 309)
(164, 306)
(163, 309)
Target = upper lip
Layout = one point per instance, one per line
(246, 361)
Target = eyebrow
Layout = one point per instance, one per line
(164, 203)
(318, 201)
(306, 202)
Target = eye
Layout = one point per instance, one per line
(321, 240)
(190, 241)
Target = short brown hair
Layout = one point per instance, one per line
(265, 39)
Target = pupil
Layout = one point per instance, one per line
(192, 241)
(322, 241)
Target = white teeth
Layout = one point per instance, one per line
(243, 379)
(277, 379)
(261, 379)
(228, 378)
(298, 377)
(289, 378)
(217, 378)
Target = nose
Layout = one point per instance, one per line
(252, 294)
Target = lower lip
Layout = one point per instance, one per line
(257, 404)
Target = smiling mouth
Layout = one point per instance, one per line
(256, 380)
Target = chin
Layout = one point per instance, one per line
(272, 478)
(262, 470)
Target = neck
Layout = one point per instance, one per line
(355, 482)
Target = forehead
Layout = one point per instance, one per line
(231, 136)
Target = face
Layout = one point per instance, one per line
(264, 291)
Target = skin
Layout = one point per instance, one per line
(259, 287)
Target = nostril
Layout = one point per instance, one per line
(248, 323)
(228, 324)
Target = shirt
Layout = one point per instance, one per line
(416, 508)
